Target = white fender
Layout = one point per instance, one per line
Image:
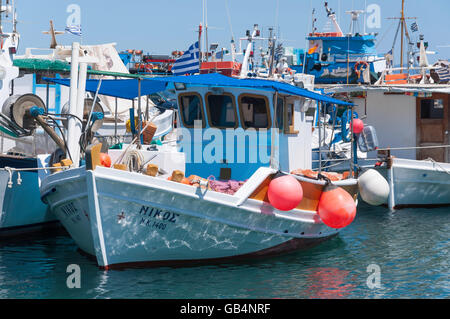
(373, 187)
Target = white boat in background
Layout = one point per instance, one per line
(412, 121)
(417, 183)
(143, 210)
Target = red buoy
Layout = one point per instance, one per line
(285, 193)
(337, 209)
(105, 160)
(358, 126)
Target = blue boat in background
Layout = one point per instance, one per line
(338, 58)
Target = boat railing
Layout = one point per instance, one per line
(29, 54)
(398, 76)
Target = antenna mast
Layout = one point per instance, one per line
(404, 31)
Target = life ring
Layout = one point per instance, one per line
(358, 70)
(149, 68)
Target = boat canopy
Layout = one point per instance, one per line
(42, 65)
(129, 88)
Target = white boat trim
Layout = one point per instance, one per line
(94, 207)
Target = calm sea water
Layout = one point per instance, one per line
(411, 247)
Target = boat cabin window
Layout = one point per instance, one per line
(191, 108)
(221, 110)
(285, 115)
(432, 109)
(254, 110)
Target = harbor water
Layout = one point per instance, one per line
(408, 251)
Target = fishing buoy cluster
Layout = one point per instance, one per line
(373, 187)
(285, 193)
(337, 209)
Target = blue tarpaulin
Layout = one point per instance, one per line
(128, 89)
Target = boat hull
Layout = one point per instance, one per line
(133, 219)
(22, 210)
(418, 183)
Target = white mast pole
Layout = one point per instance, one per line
(365, 15)
(245, 62)
(72, 121)
(79, 111)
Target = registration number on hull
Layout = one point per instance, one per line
(153, 217)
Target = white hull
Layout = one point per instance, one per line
(127, 218)
(418, 183)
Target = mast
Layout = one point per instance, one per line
(402, 21)
(404, 32)
(200, 55)
(206, 30)
(245, 62)
(332, 16)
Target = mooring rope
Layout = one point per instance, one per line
(433, 161)
(10, 171)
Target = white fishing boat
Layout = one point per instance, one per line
(144, 210)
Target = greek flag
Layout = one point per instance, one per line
(188, 63)
(444, 73)
(414, 27)
(74, 29)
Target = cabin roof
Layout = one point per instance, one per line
(129, 88)
(397, 88)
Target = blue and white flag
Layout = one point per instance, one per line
(443, 72)
(414, 27)
(74, 29)
(188, 63)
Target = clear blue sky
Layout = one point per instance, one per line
(159, 27)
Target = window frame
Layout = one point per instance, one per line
(277, 97)
(287, 103)
(181, 108)
(432, 106)
(289, 129)
(269, 113)
(233, 99)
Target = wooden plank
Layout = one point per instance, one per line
(93, 156)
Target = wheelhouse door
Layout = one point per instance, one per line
(433, 127)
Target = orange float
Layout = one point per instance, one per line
(337, 209)
(358, 126)
(285, 193)
(105, 160)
